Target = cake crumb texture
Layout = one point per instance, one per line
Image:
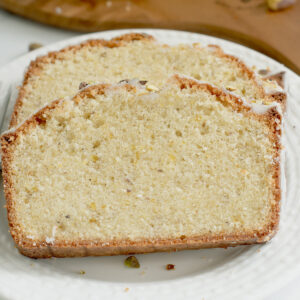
(115, 165)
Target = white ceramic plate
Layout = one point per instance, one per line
(235, 273)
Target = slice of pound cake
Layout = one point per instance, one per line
(122, 169)
(59, 74)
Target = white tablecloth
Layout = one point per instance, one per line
(17, 33)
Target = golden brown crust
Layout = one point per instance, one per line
(126, 247)
(37, 65)
(42, 249)
(279, 97)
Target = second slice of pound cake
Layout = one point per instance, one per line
(119, 169)
(58, 74)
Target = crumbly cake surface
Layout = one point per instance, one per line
(59, 74)
(120, 169)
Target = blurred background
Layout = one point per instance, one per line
(269, 26)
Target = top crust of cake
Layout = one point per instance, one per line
(261, 88)
(270, 118)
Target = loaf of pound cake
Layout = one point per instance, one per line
(58, 74)
(135, 168)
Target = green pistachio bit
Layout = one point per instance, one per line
(34, 46)
(132, 262)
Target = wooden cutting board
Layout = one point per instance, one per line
(248, 22)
